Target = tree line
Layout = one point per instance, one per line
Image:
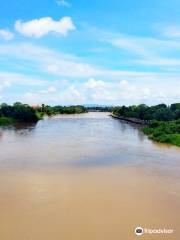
(19, 112)
(53, 110)
(160, 112)
(163, 121)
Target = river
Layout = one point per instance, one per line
(86, 177)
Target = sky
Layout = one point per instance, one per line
(68, 52)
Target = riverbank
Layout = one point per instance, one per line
(159, 131)
(17, 113)
(160, 122)
(164, 132)
(23, 113)
(6, 121)
(131, 120)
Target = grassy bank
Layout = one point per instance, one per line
(165, 132)
(6, 121)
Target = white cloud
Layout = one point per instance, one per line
(143, 46)
(49, 61)
(68, 67)
(113, 93)
(63, 3)
(69, 95)
(171, 31)
(10, 79)
(4, 85)
(147, 51)
(82, 83)
(159, 61)
(39, 27)
(93, 83)
(6, 34)
(62, 65)
(130, 44)
(50, 89)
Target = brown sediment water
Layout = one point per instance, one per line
(86, 177)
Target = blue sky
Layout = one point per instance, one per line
(99, 52)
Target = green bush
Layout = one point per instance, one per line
(160, 112)
(6, 121)
(167, 132)
(19, 112)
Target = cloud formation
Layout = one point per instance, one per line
(68, 79)
(171, 31)
(62, 65)
(63, 3)
(102, 92)
(6, 34)
(40, 27)
(147, 51)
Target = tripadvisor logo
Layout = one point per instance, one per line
(139, 231)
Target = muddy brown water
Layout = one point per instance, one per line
(86, 177)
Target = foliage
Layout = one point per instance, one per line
(24, 113)
(49, 111)
(159, 112)
(19, 112)
(168, 132)
(164, 121)
(6, 121)
(99, 108)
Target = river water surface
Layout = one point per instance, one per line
(86, 177)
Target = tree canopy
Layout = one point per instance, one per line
(160, 112)
(20, 112)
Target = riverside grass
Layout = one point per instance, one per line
(164, 132)
(5, 121)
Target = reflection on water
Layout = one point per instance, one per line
(85, 176)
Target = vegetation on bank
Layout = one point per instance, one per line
(17, 113)
(99, 108)
(50, 111)
(26, 114)
(163, 121)
(165, 132)
(7, 121)
(160, 112)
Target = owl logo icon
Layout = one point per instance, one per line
(139, 231)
